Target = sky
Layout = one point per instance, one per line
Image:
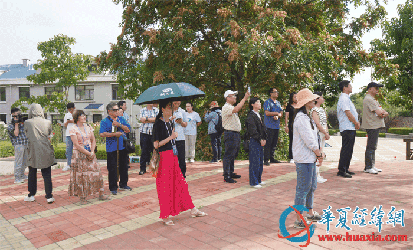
(94, 24)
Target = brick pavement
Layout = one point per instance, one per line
(240, 217)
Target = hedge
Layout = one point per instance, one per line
(332, 131)
(400, 131)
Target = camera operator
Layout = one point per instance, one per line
(19, 141)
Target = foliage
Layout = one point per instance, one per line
(332, 131)
(6, 151)
(219, 45)
(4, 135)
(96, 129)
(400, 131)
(361, 133)
(58, 66)
(382, 134)
(57, 134)
(397, 43)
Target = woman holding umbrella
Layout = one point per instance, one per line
(171, 186)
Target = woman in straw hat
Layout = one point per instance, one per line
(305, 152)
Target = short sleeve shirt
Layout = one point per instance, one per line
(160, 133)
(180, 114)
(344, 103)
(111, 142)
(83, 134)
(192, 119)
(271, 106)
(68, 116)
(230, 121)
(370, 118)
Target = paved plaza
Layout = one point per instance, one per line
(239, 217)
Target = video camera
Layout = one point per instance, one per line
(21, 118)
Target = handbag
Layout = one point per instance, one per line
(154, 163)
(129, 145)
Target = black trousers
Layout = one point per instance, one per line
(232, 141)
(47, 178)
(180, 146)
(146, 150)
(348, 138)
(272, 140)
(290, 147)
(370, 155)
(113, 172)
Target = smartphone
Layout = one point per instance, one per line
(249, 89)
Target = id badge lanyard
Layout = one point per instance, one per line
(87, 147)
(175, 150)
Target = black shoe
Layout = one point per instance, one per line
(350, 173)
(230, 180)
(274, 161)
(344, 175)
(213, 161)
(142, 172)
(266, 163)
(235, 176)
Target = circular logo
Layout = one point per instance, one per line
(294, 237)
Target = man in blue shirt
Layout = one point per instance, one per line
(272, 115)
(113, 127)
(348, 123)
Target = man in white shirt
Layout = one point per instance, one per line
(179, 117)
(193, 121)
(232, 136)
(348, 123)
(68, 123)
(122, 105)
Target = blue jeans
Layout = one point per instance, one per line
(232, 141)
(306, 184)
(20, 158)
(256, 156)
(69, 150)
(216, 146)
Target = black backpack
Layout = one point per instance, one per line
(218, 126)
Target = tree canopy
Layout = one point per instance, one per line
(231, 44)
(397, 43)
(58, 66)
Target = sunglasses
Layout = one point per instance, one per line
(115, 110)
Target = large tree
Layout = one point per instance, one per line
(397, 43)
(230, 44)
(59, 66)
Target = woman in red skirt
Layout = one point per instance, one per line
(172, 188)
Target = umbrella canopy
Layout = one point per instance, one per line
(178, 90)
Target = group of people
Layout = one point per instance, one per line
(172, 132)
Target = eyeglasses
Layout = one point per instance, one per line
(15, 116)
(115, 110)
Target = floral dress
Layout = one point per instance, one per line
(85, 176)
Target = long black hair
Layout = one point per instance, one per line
(290, 101)
(162, 104)
(304, 110)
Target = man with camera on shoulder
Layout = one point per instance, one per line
(19, 141)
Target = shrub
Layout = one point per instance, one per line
(332, 119)
(333, 131)
(400, 131)
(382, 134)
(406, 113)
(60, 153)
(361, 133)
(57, 134)
(6, 151)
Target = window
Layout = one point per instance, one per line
(84, 92)
(3, 118)
(2, 94)
(57, 118)
(115, 94)
(49, 90)
(97, 118)
(24, 92)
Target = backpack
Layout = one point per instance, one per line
(218, 126)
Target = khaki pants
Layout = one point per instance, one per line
(190, 141)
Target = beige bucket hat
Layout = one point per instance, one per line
(304, 96)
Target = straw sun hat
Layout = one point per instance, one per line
(304, 96)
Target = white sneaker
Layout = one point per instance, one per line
(321, 179)
(50, 200)
(257, 186)
(29, 198)
(377, 169)
(18, 181)
(192, 161)
(262, 183)
(65, 168)
(186, 161)
(371, 171)
(291, 161)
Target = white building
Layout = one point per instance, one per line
(91, 95)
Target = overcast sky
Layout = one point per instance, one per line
(94, 24)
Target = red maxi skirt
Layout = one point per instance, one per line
(172, 188)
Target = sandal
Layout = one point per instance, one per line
(104, 198)
(198, 213)
(168, 222)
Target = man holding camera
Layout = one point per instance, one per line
(19, 141)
